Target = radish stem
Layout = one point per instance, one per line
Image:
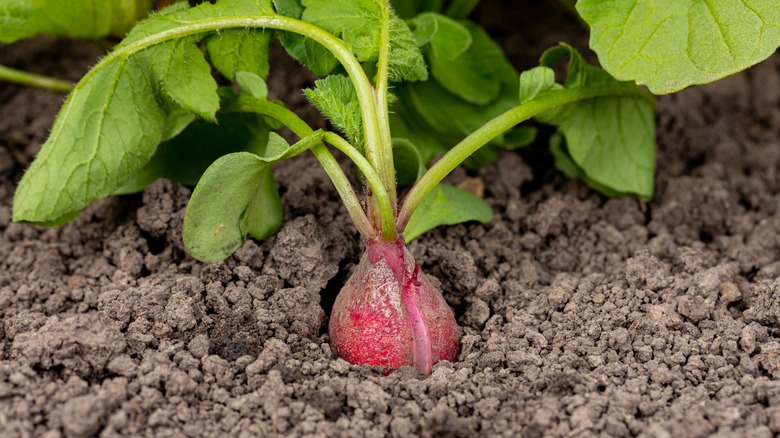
(34, 80)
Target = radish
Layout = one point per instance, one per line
(389, 315)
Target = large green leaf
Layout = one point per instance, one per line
(105, 133)
(671, 44)
(74, 18)
(116, 116)
(446, 205)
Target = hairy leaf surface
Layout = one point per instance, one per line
(336, 97)
(358, 23)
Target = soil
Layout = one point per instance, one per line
(580, 315)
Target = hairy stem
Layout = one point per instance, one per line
(323, 155)
(386, 213)
(381, 154)
(34, 80)
(494, 128)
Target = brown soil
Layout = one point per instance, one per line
(580, 315)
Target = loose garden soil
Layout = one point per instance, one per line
(580, 315)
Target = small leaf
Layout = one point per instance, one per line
(252, 84)
(446, 205)
(568, 167)
(234, 197)
(336, 97)
(265, 213)
(611, 138)
(409, 166)
(671, 44)
(535, 81)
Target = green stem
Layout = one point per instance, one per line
(494, 128)
(381, 154)
(386, 213)
(323, 155)
(34, 80)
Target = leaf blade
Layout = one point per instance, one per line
(216, 220)
(446, 205)
(670, 44)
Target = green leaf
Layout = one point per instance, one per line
(319, 60)
(252, 84)
(180, 14)
(406, 62)
(434, 119)
(336, 97)
(184, 158)
(236, 196)
(446, 205)
(116, 116)
(238, 50)
(74, 19)
(535, 81)
(105, 133)
(612, 138)
(565, 163)
(471, 75)
(185, 76)
(358, 23)
(671, 44)
(448, 38)
(519, 137)
(409, 166)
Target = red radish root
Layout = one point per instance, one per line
(389, 315)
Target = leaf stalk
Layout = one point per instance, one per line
(482, 136)
(34, 80)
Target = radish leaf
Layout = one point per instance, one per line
(358, 23)
(610, 138)
(336, 97)
(236, 196)
(184, 158)
(671, 44)
(446, 205)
